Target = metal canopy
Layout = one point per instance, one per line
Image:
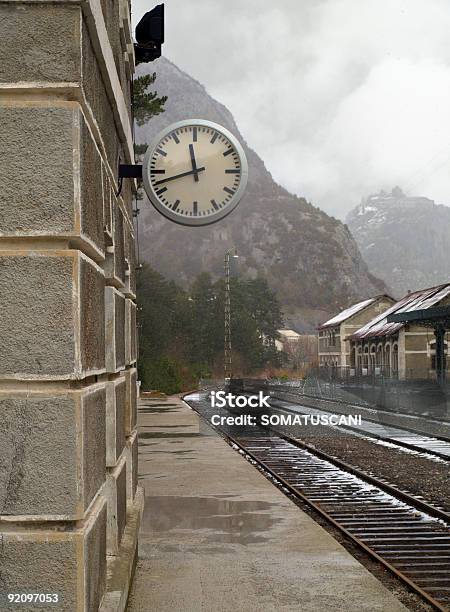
(438, 316)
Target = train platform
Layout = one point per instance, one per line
(216, 535)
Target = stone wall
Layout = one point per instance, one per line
(69, 503)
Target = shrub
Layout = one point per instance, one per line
(161, 374)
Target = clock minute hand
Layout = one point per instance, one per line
(177, 176)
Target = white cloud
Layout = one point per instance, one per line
(339, 97)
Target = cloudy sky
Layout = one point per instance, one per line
(341, 98)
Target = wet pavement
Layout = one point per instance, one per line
(217, 535)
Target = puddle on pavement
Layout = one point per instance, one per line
(217, 520)
(183, 549)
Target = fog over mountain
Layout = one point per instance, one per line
(308, 257)
(404, 240)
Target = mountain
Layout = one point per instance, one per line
(309, 258)
(404, 240)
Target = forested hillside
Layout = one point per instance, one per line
(181, 332)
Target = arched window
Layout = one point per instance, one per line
(372, 358)
(395, 359)
(366, 357)
(380, 356)
(353, 357)
(387, 359)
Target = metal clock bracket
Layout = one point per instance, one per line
(133, 171)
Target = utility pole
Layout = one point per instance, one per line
(227, 339)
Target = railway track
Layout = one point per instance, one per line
(413, 544)
(407, 535)
(400, 436)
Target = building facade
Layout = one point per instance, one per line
(334, 347)
(300, 349)
(69, 502)
(404, 351)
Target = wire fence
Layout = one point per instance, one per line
(421, 395)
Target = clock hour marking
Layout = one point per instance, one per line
(155, 171)
(195, 205)
(228, 152)
(175, 137)
(162, 190)
(214, 203)
(232, 171)
(213, 139)
(194, 134)
(161, 152)
(175, 205)
(228, 190)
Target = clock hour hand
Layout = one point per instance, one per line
(193, 162)
(177, 176)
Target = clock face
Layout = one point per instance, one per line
(195, 172)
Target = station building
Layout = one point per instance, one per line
(334, 348)
(401, 341)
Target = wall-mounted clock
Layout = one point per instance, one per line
(195, 172)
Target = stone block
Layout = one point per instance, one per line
(66, 59)
(130, 259)
(92, 316)
(69, 562)
(91, 189)
(119, 244)
(67, 200)
(127, 200)
(115, 419)
(131, 400)
(131, 453)
(43, 56)
(107, 207)
(114, 330)
(51, 299)
(116, 494)
(115, 264)
(52, 461)
(98, 100)
(130, 332)
(111, 12)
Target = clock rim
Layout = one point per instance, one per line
(194, 221)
